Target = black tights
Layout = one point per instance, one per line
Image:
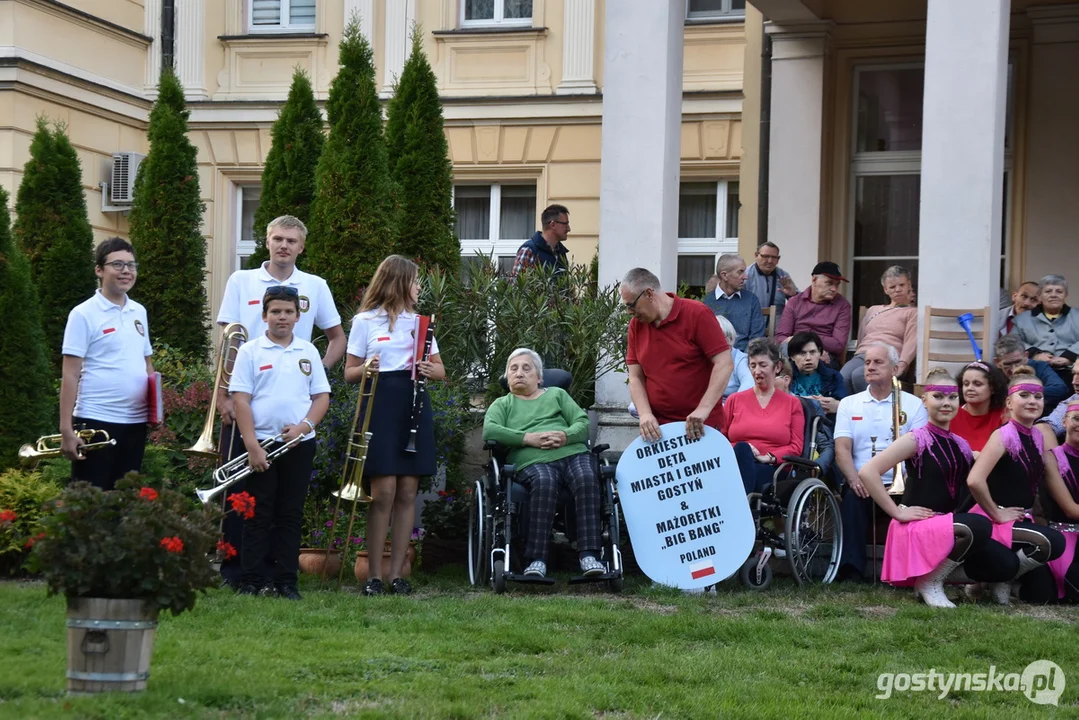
(1041, 544)
(984, 559)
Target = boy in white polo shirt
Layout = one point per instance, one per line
(105, 367)
(242, 303)
(280, 390)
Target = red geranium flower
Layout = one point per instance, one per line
(7, 516)
(173, 544)
(148, 494)
(226, 549)
(34, 539)
(243, 503)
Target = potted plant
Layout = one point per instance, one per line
(445, 521)
(120, 557)
(319, 526)
(362, 567)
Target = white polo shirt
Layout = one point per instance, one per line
(371, 334)
(861, 416)
(113, 342)
(243, 301)
(280, 380)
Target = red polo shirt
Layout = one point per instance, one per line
(676, 358)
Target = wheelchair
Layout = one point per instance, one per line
(805, 504)
(498, 517)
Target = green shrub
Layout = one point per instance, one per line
(23, 496)
(26, 388)
(288, 178)
(165, 221)
(352, 226)
(52, 228)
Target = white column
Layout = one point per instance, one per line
(578, 48)
(795, 186)
(399, 17)
(366, 11)
(966, 65)
(152, 28)
(639, 157)
(191, 47)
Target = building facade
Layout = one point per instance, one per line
(522, 83)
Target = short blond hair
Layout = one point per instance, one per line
(287, 222)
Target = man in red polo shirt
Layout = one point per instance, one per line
(679, 361)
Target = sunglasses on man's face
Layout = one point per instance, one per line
(282, 291)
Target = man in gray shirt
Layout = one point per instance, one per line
(770, 283)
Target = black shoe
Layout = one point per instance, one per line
(288, 592)
(373, 587)
(400, 586)
(230, 583)
(251, 589)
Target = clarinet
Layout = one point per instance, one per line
(419, 389)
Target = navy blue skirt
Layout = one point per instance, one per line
(391, 421)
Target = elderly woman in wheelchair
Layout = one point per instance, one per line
(546, 433)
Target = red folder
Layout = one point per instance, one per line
(419, 335)
(155, 403)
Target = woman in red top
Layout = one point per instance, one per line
(762, 423)
(984, 391)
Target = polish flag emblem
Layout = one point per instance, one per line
(384, 339)
(266, 367)
(253, 302)
(106, 331)
(702, 569)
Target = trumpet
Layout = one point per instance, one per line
(48, 446)
(226, 357)
(356, 456)
(899, 418)
(237, 469)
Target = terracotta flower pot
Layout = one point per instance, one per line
(362, 568)
(312, 560)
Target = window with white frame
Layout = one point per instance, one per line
(282, 15)
(494, 220)
(707, 228)
(715, 9)
(247, 202)
(886, 177)
(485, 13)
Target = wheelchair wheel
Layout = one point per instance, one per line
(614, 540)
(478, 550)
(814, 533)
(499, 578)
(750, 578)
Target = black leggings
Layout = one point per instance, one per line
(1042, 544)
(985, 560)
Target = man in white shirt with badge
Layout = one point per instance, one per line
(280, 391)
(861, 418)
(106, 361)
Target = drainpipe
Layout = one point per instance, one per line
(765, 137)
(168, 32)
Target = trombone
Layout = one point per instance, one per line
(237, 469)
(226, 357)
(48, 446)
(355, 458)
(899, 418)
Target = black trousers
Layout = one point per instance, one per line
(103, 467)
(277, 525)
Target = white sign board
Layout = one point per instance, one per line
(685, 507)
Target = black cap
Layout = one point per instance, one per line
(830, 269)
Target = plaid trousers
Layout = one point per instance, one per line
(544, 481)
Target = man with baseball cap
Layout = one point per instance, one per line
(821, 309)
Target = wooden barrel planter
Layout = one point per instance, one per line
(109, 643)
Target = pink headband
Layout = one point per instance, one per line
(946, 389)
(979, 365)
(1028, 387)
(1074, 407)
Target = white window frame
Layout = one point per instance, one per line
(498, 20)
(493, 247)
(898, 162)
(718, 245)
(282, 27)
(726, 13)
(241, 248)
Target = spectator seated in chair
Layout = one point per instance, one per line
(741, 378)
(812, 379)
(1050, 332)
(820, 308)
(547, 434)
(983, 390)
(895, 323)
(1055, 419)
(1009, 353)
(731, 300)
(825, 454)
(1024, 299)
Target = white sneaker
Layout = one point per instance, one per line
(537, 568)
(931, 586)
(592, 566)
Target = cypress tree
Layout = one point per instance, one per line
(352, 224)
(288, 180)
(165, 220)
(420, 166)
(53, 230)
(26, 390)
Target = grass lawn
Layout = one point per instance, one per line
(450, 651)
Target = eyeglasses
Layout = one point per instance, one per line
(630, 306)
(120, 265)
(561, 222)
(762, 256)
(282, 291)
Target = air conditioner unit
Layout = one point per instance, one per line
(119, 192)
